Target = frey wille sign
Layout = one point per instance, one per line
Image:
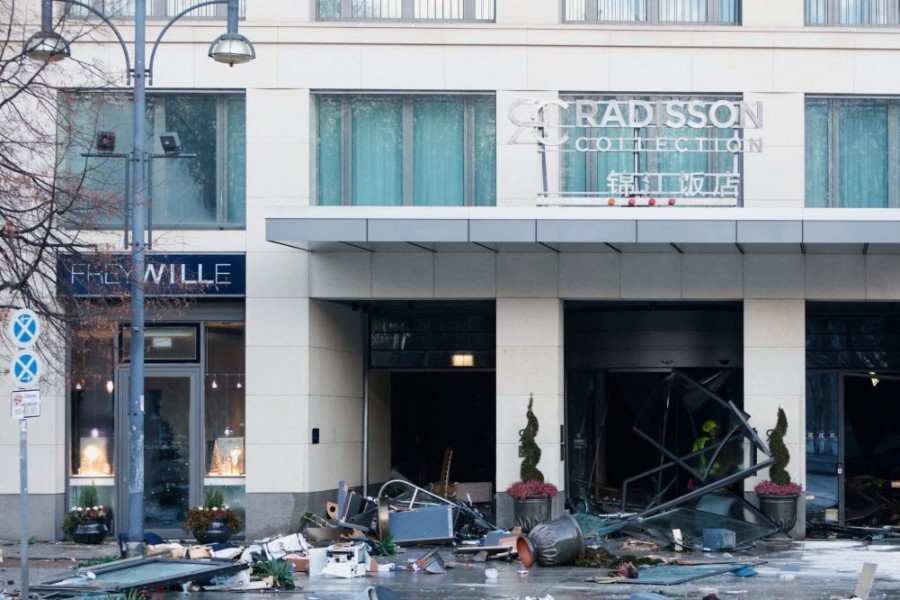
(649, 127)
(164, 275)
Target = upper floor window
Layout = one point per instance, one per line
(852, 152)
(206, 189)
(156, 9)
(406, 10)
(655, 12)
(405, 150)
(865, 13)
(687, 149)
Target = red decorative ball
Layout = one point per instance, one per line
(631, 202)
(671, 201)
(651, 201)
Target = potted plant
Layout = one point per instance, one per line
(212, 522)
(86, 522)
(532, 496)
(778, 495)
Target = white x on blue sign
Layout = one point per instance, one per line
(26, 368)
(24, 328)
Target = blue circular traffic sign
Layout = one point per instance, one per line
(24, 328)
(26, 368)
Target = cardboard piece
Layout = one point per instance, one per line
(279, 546)
(301, 563)
(317, 559)
(199, 552)
(378, 567)
(479, 492)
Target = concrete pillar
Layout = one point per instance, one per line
(529, 363)
(774, 376)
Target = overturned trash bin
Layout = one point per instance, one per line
(552, 544)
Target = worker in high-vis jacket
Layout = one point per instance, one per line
(712, 432)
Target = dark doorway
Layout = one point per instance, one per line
(433, 411)
(871, 450)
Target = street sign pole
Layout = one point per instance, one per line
(24, 330)
(23, 502)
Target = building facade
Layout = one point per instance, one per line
(420, 216)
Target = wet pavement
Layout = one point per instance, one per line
(812, 569)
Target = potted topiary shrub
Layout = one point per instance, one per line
(532, 496)
(213, 522)
(778, 495)
(86, 522)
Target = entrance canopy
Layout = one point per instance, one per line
(572, 229)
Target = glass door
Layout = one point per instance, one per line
(171, 451)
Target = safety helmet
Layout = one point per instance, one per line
(709, 426)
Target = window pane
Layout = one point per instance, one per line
(863, 154)
(682, 11)
(329, 155)
(439, 151)
(329, 9)
(236, 149)
(817, 153)
(621, 10)
(207, 189)
(485, 152)
(377, 152)
(396, 149)
(702, 165)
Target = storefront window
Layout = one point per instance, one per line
(93, 399)
(224, 413)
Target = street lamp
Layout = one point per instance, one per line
(230, 48)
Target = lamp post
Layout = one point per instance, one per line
(230, 48)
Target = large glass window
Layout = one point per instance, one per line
(392, 150)
(418, 10)
(681, 148)
(714, 12)
(206, 189)
(853, 13)
(165, 9)
(852, 149)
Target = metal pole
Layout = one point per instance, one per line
(23, 502)
(135, 533)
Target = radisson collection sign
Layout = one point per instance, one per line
(663, 126)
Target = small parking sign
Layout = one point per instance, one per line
(24, 328)
(26, 368)
(26, 404)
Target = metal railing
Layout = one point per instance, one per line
(156, 9)
(653, 12)
(853, 13)
(406, 10)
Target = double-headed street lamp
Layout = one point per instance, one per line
(230, 48)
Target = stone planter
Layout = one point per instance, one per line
(529, 512)
(780, 509)
(552, 544)
(216, 533)
(90, 532)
